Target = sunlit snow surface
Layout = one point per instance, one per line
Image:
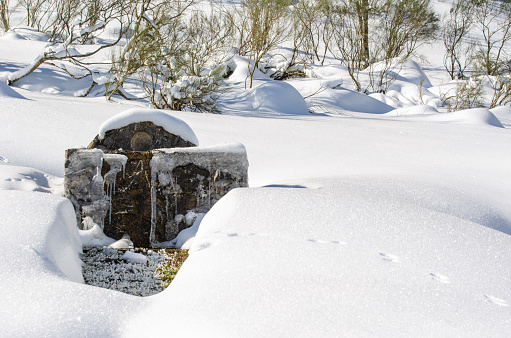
(168, 122)
(41, 288)
(375, 216)
(365, 255)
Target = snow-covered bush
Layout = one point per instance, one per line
(186, 71)
(192, 93)
(493, 20)
(501, 88)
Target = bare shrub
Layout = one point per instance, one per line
(455, 30)
(260, 26)
(493, 19)
(388, 32)
(468, 94)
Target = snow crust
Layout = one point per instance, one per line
(236, 148)
(168, 122)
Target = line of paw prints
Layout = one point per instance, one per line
(440, 278)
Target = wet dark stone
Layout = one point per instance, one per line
(148, 202)
(131, 202)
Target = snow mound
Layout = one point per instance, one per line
(94, 236)
(413, 73)
(414, 110)
(361, 254)
(185, 238)
(124, 243)
(388, 99)
(168, 122)
(239, 66)
(135, 258)
(12, 35)
(41, 280)
(46, 240)
(503, 114)
(267, 99)
(278, 97)
(25, 33)
(6, 91)
(349, 100)
(475, 116)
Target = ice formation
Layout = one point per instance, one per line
(123, 243)
(87, 184)
(226, 165)
(117, 164)
(155, 188)
(83, 178)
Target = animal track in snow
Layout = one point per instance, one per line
(389, 257)
(320, 241)
(440, 278)
(495, 300)
(235, 234)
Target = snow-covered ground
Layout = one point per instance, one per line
(377, 215)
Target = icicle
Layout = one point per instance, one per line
(167, 206)
(175, 196)
(117, 163)
(209, 195)
(109, 190)
(97, 183)
(152, 234)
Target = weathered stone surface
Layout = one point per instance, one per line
(191, 179)
(146, 194)
(142, 136)
(130, 199)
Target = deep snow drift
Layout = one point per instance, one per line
(356, 256)
(41, 281)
